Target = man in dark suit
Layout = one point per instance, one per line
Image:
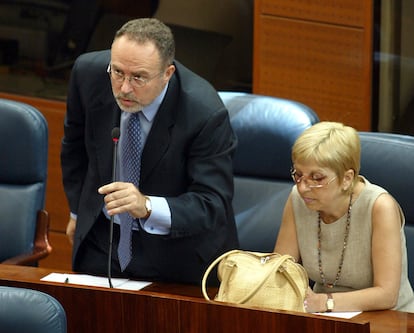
(181, 204)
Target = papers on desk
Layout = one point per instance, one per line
(95, 281)
(345, 315)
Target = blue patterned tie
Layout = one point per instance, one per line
(131, 168)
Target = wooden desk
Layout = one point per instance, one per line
(181, 309)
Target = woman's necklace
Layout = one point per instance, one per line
(338, 274)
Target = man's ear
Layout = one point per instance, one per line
(169, 72)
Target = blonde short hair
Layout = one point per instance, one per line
(329, 144)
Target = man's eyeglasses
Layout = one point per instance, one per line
(310, 182)
(134, 81)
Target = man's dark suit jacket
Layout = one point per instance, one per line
(187, 159)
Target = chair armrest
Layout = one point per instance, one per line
(41, 247)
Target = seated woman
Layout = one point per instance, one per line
(346, 232)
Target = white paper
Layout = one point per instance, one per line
(345, 315)
(95, 281)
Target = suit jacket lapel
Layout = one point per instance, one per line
(159, 138)
(104, 119)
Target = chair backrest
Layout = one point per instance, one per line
(388, 160)
(27, 310)
(266, 128)
(23, 174)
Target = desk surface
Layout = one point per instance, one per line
(181, 308)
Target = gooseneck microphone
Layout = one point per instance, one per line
(115, 138)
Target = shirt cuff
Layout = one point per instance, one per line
(159, 222)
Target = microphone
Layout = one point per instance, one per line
(115, 138)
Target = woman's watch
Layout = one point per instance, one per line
(330, 304)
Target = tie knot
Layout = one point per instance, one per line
(134, 116)
(133, 123)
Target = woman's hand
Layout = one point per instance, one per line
(315, 302)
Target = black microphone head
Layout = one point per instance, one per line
(115, 133)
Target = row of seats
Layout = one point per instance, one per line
(266, 128)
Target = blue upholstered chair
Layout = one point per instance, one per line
(388, 160)
(266, 128)
(25, 310)
(23, 172)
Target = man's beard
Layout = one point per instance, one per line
(132, 109)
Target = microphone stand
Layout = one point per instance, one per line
(115, 139)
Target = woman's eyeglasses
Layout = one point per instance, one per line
(309, 181)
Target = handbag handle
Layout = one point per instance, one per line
(210, 268)
(275, 267)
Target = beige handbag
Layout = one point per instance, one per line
(266, 280)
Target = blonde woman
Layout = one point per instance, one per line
(347, 232)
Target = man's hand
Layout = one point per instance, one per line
(70, 229)
(123, 197)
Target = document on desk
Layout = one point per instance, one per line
(345, 315)
(95, 281)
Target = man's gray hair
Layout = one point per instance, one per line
(144, 30)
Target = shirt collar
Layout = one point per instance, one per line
(150, 111)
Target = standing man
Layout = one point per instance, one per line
(176, 195)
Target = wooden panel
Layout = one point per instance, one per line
(327, 67)
(56, 202)
(203, 318)
(343, 12)
(61, 256)
(139, 312)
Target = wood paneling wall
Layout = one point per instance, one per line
(318, 53)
